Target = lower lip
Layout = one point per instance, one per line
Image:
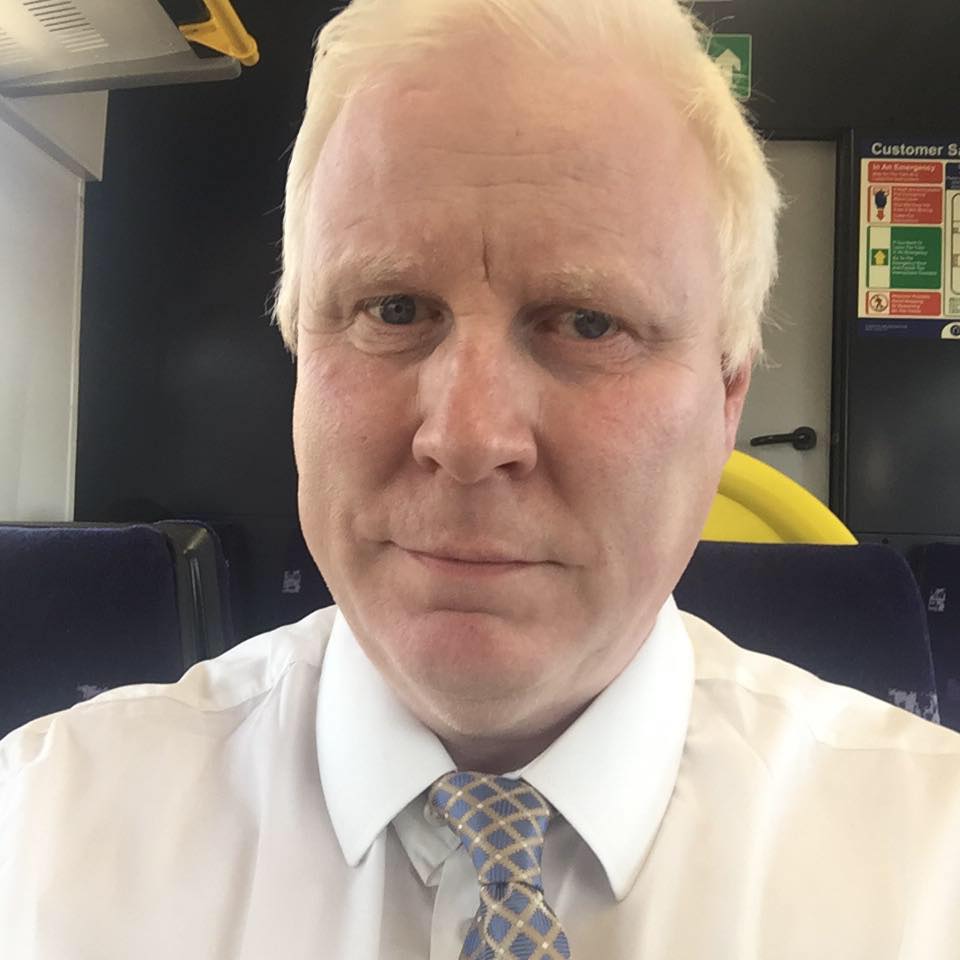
(466, 568)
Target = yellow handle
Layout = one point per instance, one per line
(757, 504)
(223, 32)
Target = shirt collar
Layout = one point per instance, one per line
(610, 774)
(375, 756)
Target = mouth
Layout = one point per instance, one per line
(453, 566)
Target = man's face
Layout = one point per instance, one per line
(494, 404)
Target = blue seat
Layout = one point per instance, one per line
(85, 608)
(275, 580)
(938, 571)
(849, 614)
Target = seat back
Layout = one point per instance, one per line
(204, 587)
(850, 614)
(938, 571)
(85, 608)
(274, 578)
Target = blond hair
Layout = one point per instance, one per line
(355, 46)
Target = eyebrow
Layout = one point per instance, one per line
(361, 270)
(583, 282)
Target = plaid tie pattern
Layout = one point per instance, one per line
(501, 823)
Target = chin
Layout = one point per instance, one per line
(472, 644)
(456, 656)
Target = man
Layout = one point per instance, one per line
(526, 249)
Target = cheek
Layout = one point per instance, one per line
(339, 407)
(340, 434)
(644, 427)
(647, 457)
(351, 438)
(691, 446)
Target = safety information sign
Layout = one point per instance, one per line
(733, 54)
(909, 275)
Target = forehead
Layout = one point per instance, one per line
(523, 164)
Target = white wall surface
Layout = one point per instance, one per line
(795, 391)
(41, 240)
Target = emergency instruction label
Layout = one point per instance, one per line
(909, 274)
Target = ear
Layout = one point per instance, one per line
(736, 385)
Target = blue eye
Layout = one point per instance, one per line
(591, 324)
(398, 310)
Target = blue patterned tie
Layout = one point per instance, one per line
(501, 823)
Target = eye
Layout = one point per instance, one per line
(397, 310)
(591, 324)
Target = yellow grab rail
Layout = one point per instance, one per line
(223, 32)
(757, 504)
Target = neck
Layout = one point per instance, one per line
(502, 754)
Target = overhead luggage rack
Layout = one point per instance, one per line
(71, 46)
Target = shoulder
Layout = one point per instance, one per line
(209, 690)
(820, 773)
(809, 796)
(764, 698)
(95, 800)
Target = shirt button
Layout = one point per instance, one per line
(432, 814)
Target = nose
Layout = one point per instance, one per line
(480, 404)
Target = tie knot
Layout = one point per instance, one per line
(501, 823)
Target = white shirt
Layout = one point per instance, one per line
(713, 803)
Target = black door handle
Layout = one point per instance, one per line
(803, 438)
